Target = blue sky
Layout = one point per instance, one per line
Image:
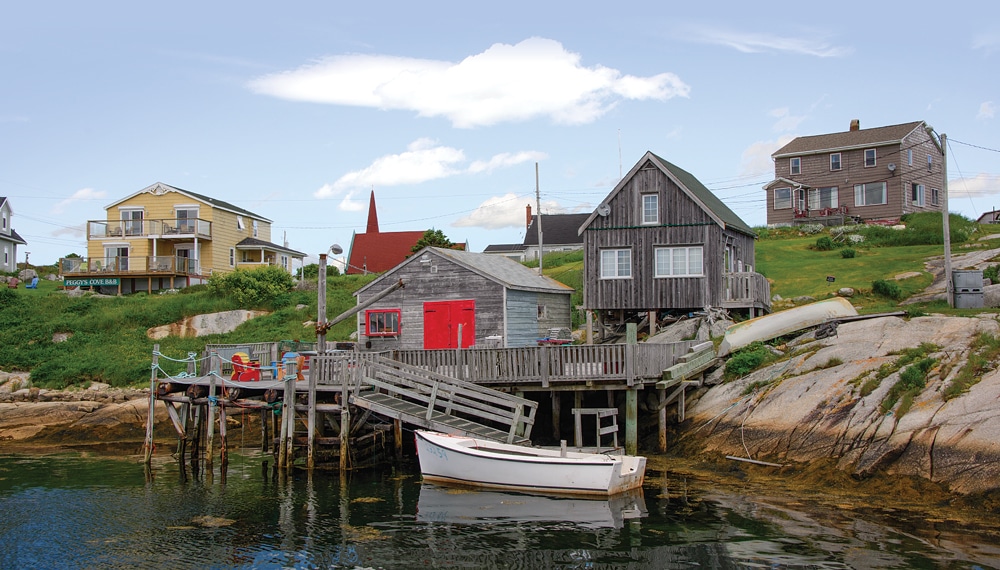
(296, 111)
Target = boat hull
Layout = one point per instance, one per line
(784, 322)
(480, 463)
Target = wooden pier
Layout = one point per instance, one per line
(491, 393)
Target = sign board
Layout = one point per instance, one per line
(91, 282)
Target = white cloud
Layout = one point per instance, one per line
(504, 160)
(506, 211)
(785, 120)
(987, 110)
(423, 161)
(986, 42)
(756, 159)
(750, 42)
(78, 196)
(537, 77)
(78, 231)
(980, 186)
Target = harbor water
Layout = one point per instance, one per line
(87, 511)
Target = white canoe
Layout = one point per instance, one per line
(784, 322)
(483, 463)
(459, 506)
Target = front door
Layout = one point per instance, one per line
(442, 320)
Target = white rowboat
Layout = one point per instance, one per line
(483, 463)
(784, 322)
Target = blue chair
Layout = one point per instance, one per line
(33, 284)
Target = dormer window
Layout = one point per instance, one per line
(835, 161)
(869, 157)
(795, 165)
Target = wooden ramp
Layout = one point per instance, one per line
(435, 401)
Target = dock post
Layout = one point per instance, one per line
(345, 416)
(148, 459)
(288, 416)
(223, 442)
(661, 421)
(631, 393)
(209, 438)
(314, 372)
(556, 413)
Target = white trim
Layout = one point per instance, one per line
(615, 265)
(864, 157)
(687, 250)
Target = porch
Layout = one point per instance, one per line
(170, 228)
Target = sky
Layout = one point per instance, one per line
(460, 114)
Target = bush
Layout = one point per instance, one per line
(847, 253)
(887, 289)
(811, 229)
(991, 273)
(252, 288)
(748, 359)
(824, 243)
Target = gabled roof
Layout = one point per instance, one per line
(557, 229)
(378, 252)
(254, 243)
(832, 142)
(219, 204)
(504, 248)
(3, 200)
(14, 237)
(781, 180)
(688, 184)
(496, 268)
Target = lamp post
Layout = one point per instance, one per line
(941, 142)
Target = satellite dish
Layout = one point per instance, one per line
(336, 249)
(892, 167)
(603, 210)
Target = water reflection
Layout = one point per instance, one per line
(74, 512)
(456, 505)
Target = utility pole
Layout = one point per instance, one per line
(538, 218)
(949, 289)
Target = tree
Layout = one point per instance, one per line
(432, 238)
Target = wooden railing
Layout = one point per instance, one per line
(747, 289)
(546, 364)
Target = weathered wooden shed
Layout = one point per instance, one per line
(663, 242)
(492, 300)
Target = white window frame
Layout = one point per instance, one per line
(232, 257)
(683, 261)
(874, 158)
(6, 256)
(239, 223)
(616, 263)
(4, 220)
(786, 200)
(909, 157)
(816, 198)
(839, 161)
(795, 165)
(255, 228)
(917, 195)
(650, 205)
(930, 162)
(934, 196)
(860, 194)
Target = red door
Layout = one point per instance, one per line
(442, 320)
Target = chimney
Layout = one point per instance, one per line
(527, 221)
(855, 125)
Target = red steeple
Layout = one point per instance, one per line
(372, 216)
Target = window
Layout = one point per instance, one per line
(930, 162)
(132, 220)
(616, 264)
(869, 157)
(186, 219)
(934, 196)
(795, 165)
(782, 198)
(909, 157)
(679, 261)
(820, 198)
(650, 209)
(255, 228)
(835, 161)
(232, 257)
(6, 256)
(543, 312)
(284, 262)
(869, 194)
(5, 220)
(382, 322)
(917, 194)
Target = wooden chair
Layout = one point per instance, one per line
(244, 369)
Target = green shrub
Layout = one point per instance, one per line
(847, 253)
(252, 288)
(991, 273)
(887, 289)
(748, 359)
(824, 243)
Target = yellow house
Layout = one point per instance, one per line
(164, 237)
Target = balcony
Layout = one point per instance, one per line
(176, 228)
(746, 290)
(127, 266)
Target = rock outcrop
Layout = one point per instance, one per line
(823, 402)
